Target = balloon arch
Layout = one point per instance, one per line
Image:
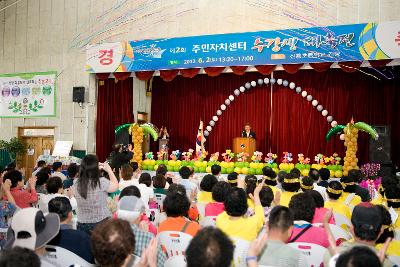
(248, 85)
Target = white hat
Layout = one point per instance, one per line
(31, 229)
(130, 208)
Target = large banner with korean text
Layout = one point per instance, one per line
(28, 94)
(355, 42)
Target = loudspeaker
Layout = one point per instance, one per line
(78, 94)
(379, 150)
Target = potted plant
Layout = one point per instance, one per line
(15, 147)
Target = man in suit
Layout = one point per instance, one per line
(247, 132)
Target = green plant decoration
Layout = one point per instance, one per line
(15, 147)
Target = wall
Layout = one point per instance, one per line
(41, 35)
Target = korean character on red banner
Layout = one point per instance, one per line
(106, 57)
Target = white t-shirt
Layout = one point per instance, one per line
(59, 174)
(321, 190)
(123, 183)
(146, 193)
(44, 200)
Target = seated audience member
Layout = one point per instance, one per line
(112, 243)
(75, 241)
(233, 179)
(250, 185)
(266, 198)
(319, 208)
(387, 182)
(302, 207)
(366, 227)
(233, 220)
(23, 197)
(42, 177)
(269, 177)
(314, 174)
(216, 171)
(131, 209)
(387, 232)
(91, 192)
(295, 173)
(206, 186)
(392, 194)
(40, 164)
(134, 191)
(162, 170)
(176, 205)
(358, 257)
(277, 252)
(349, 196)
(136, 170)
(146, 192)
(57, 167)
(126, 177)
(7, 209)
(55, 189)
(334, 191)
(219, 192)
(19, 257)
(73, 171)
(185, 173)
(193, 178)
(31, 229)
(324, 174)
(291, 186)
(210, 248)
(306, 183)
(279, 179)
(357, 176)
(159, 183)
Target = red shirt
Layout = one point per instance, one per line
(24, 198)
(214, 208)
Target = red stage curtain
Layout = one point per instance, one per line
(239, 70)
(292, 68)
(168, 75)
(120, 76)
(320, 67)
(114, 107)
(214, 71)
(265, 69)
(144, 75)
(350, 66)
(102, 76)
(296, 125)
(379, 63)
(189, 73)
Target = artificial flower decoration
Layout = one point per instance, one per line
(214, 157)
(270, 158)
(161, 154)
(187, 155)
(149, 155)
(228, 155)
(257, 156)
(175, 155)
(242, 156)
(287, 157)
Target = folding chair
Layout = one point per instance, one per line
(208, 221)
(342, 221)
(159, 199)
(175, 261)
(337, 231)
(174, 243)
(62, 257)
(313, 252)
(395, 260)
(241, 248)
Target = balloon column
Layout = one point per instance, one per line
(350, 137)
(138, 131)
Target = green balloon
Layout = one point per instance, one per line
(202, 169)
(259, 171)
(170, 168)
(223, 170)
(196, 169)
(177, 168)
(252, 171)
(229, 170)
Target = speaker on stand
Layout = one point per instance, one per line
(379, 150)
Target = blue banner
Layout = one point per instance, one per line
(356, 42)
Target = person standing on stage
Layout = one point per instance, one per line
(247, 132)
(163, 134)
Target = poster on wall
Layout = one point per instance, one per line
(27, 95)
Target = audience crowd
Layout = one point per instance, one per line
(121, 216)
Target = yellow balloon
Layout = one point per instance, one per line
(338, 174)
(237, 169)
(208, 169)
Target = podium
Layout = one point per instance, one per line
(244, 144)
